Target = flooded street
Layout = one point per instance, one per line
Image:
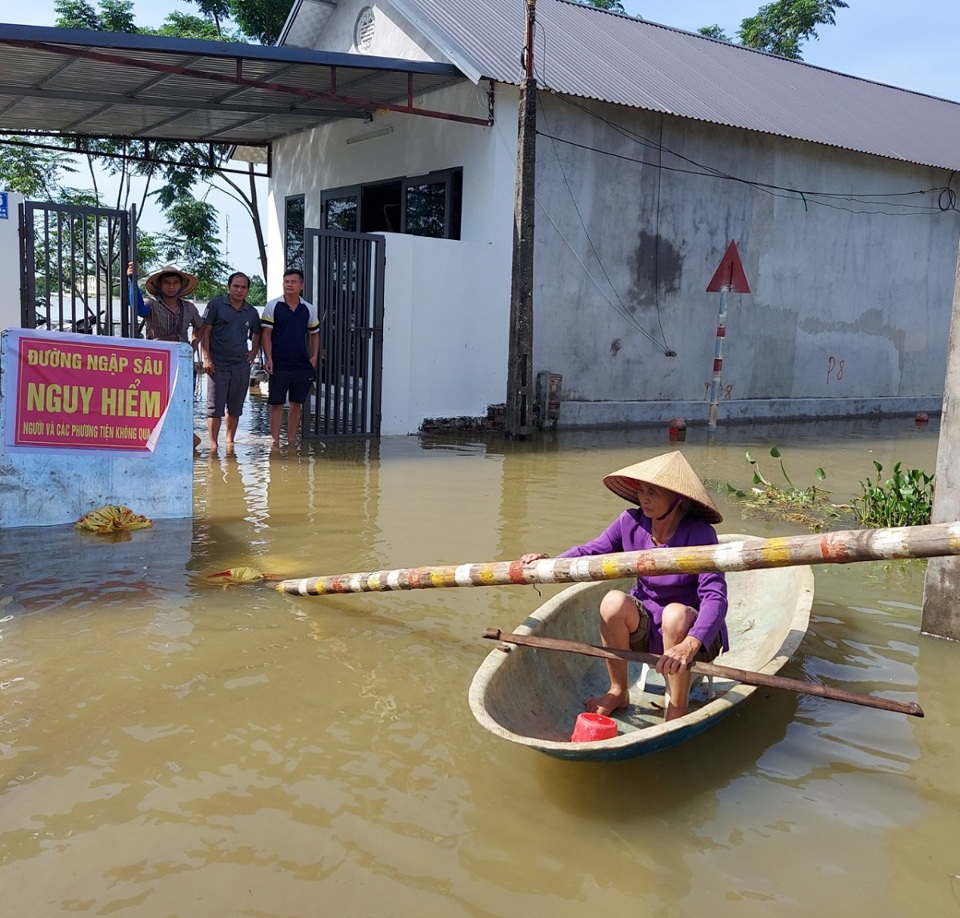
(171, 747)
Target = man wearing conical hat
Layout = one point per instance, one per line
(167, 315)
(681, 616)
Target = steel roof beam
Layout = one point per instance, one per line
(182, 70)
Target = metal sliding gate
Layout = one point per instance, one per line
(343, 274)
(73, 268)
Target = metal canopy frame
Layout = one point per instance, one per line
(82, 84)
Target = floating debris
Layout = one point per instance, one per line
(112, 518)
(243, 575)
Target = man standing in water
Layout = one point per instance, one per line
(288, 322)
(166, 313)
(229, 322)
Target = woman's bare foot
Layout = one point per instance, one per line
(673, 712)
(608, 703)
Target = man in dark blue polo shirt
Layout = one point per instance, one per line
(290, 324)
(229, 322)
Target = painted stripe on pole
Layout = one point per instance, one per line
(840, 547)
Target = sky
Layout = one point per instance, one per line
(903, 44)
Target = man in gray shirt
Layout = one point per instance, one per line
(229, 322)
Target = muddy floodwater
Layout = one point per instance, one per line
(171, 747)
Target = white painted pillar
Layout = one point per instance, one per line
(10, 259)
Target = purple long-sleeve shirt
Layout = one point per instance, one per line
(707, 593)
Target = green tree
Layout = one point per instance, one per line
(615, 6)
(264, 19)
(114, 15)
(256, 20)
(185, 167)
(257, 294)
(781, 27)
(33, 172)
(194, 243)
(714, 31)
(183, 25)
(216, 12)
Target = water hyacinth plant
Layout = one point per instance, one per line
(904, 499)
(808, 506)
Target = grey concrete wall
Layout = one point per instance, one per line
(849, 311)
(40, 487)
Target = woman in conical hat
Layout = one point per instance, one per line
(681, 616)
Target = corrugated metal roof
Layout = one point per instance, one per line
(100, 84)
(586, 52)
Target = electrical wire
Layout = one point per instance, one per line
(622, 309)
(619, 307)
(946, 200)
(862, 203)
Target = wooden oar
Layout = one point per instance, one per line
(839, 547)
(710, 669)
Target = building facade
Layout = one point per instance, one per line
(847, 234)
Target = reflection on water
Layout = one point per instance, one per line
(173, 747)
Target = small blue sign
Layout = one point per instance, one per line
(4, 210)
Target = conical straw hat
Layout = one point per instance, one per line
(188, 283)
(670, 471)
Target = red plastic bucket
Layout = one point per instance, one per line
(592, 727)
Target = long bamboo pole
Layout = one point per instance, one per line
(841, 547)
(711, 669)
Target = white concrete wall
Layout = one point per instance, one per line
(393, 36)
(447, 302)
(444, 347)
(49, 487)
(10, 263)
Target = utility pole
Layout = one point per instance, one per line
(940, 615)
(520, 352)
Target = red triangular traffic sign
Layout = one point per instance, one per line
(729, 273)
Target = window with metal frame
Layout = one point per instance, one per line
(341, 209)
(423, 205)
(432, 204)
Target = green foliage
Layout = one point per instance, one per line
(904, 499)
(176, 169)
(714, 31)
(791, 492)
(782, 26)
(183, 25)
(263, 20)
(34, 173)
(193, 243)
(114, 15)
(807, 506)
(216, 12)
(257, 295)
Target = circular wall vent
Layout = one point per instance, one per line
(365, 29)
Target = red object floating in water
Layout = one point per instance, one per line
(921, 418)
